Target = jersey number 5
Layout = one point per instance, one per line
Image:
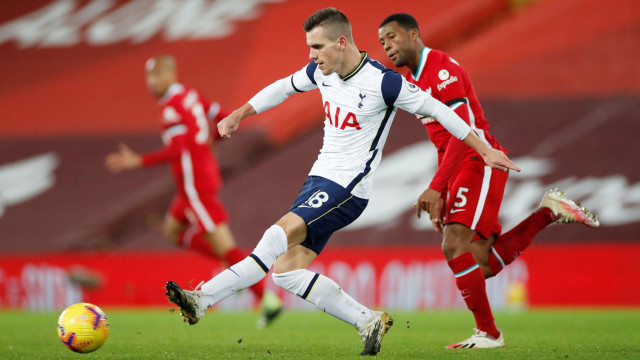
(461, 200)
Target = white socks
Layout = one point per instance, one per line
(319, 290)
(248, 271)
(325, 294)
(274, 243)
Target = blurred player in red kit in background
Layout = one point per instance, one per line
(196, 218)
(464, 196)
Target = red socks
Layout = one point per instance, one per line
(234, 256)
(512, 243)
(470, 282)
(505, 250)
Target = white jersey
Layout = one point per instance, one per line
(359, 109)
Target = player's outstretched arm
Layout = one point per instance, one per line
(123, 159)
(492, 157)
(461, 130)
(230, 124)
(272, 95)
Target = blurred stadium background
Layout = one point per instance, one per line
(559, 82)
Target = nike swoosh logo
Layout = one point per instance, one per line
(453, 211)
(323, 84)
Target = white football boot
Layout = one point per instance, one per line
(188, 301)
(568, 210)
(373, 332)
(479, 340)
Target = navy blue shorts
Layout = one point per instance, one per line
(326, 207)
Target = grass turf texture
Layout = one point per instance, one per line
(155, 334)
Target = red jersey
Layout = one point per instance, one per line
(444, 79)
(185, 120)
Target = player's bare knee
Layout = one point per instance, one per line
(456, 240)
(286, 264)
(171, 229)
(296, 258)
(451, 245)
(171, 234)
(295, 228)
(221, 240)
(449, 249)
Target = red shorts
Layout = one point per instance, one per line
(474, 198)
(203, 209)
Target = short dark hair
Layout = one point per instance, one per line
(334, 22)
(404, 20)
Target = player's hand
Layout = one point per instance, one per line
(492, 157)
(498, 160)
(124, 159)
(229, 125)
(431, 202)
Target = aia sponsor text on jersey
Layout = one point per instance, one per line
(349, 120)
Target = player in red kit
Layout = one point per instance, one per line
(464, 196)
(196, 218)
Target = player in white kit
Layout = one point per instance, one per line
(360, 98)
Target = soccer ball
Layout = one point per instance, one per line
(83, 327)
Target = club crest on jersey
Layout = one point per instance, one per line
(361, 99)
(349, 120)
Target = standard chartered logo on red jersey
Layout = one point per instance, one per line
(64, 23)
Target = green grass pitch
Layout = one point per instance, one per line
(160, 334)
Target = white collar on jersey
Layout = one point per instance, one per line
(171, 92)
(423, 62)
